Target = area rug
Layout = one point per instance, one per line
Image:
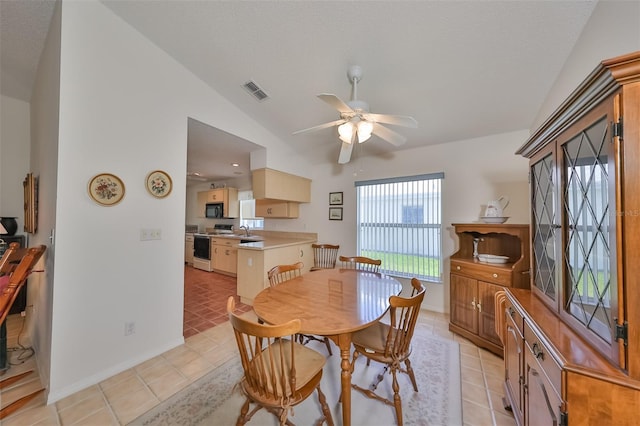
(216, 400)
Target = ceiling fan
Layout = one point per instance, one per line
(356, 123)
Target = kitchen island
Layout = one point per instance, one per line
(275, 248)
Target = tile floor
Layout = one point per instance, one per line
(208, 343)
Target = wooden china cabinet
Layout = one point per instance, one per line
(572, 348)
(474, 283)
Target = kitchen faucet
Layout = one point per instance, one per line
(246, 229)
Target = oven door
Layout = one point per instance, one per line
(201, 247)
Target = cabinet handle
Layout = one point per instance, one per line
(226, 252)
(495, 275)
(511, 311)
(537, 351)
(473, 303)
(515, 337)
(301, 253)
(479, 305)
(458, 268)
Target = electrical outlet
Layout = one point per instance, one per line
(129, 328)
(156, 234)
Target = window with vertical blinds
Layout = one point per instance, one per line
(399, 222)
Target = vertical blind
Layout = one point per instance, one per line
(399, 222)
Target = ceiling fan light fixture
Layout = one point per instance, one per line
(346, 132)
(364, 131)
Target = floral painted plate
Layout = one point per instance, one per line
(106, 189)
(159, 184)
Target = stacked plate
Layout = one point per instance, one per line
(492, 258)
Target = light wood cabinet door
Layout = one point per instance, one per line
(276, 209)
(188, 250)
(276, 185)
(464, 297)
(487, 311)
(513, 359)
(543, 405)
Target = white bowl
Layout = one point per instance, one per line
(494, 219)
(492, 258)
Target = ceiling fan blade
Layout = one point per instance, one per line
(321, 126)
(345, 153)
(388, 135)
(336, 102)
(398, 120)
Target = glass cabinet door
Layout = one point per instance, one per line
(544, 227)
(589, 216)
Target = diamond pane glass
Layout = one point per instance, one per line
(543, 229)
(586, 208)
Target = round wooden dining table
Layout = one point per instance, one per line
(332, 303)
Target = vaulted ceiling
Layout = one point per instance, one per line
(462, 69)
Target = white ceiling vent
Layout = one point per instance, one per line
(253, 88)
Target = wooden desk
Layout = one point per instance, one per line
(333, 303)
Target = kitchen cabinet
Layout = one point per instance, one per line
(227, 196)
(276, 209)
(224, 255)
(188, 249)
(276, 185)
(581, 320)
(473, 283)
(253, 266)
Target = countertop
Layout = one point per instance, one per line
(272, 243)
(266, 240)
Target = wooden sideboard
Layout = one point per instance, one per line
(473, 284)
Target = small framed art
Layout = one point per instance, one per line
(159, 184)
(335, 213)
(335, 198)
(106, 189)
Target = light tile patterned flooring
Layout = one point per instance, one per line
(208, 343)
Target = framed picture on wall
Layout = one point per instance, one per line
(335, 213)
(335, 198)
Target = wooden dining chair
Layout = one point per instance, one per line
(360, 262)
(281, 273)
(324, 256)
(279, 373)
(390, 344)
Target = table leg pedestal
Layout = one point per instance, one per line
(344, 343)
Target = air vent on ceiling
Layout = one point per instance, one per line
(255, 90)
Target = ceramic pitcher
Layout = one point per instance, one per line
(495, 207)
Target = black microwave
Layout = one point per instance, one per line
(214, 210)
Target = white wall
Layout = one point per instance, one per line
(44, 162)
(476, 170)
(612, 30)
(124, 107)
(14, 157)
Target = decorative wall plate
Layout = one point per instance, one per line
(106, 189)
(159, 184)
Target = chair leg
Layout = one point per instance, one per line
(411, 375)
(326, 342)
(379, 378)
(325, 407)
(397, 402)
(242, 418)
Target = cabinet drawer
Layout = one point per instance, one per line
(515, 315)
(540, 352)
(223, 242)
(482, 272)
